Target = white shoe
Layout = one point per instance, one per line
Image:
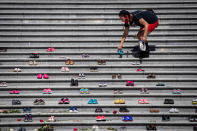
(176, 110)
(142, 46)
(66, 69)
(172, 110)
(15, 69)
(105, 85)
(19, 70)
(34, 62)
(63, 69)
(31, 63)
(3, 84)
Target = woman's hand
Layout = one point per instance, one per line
(144, 38)
(120, 47)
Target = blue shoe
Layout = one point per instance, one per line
(120, 52)
(90, 101)
(86, 91)
(71, 109)
(24, 110)
(95, 101)
(75, 110)
(129, 118)
(124, 118)
(29, 110)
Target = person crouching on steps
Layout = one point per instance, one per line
(147, 20)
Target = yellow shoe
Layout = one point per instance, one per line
(122, 101)
(116, 101)
(194, 102)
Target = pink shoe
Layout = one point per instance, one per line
(61, 101)
(146, 101)
(12, 92)
(138, 70)
(49, 91)
(17, 92)
(46, 76)
(63, 69)
(66, 101)
(141, 101)
(48, 50)
(52, 49)
(45, 91)
(39, 76)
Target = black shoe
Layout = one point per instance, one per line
(98, 110)
(195, 128)
(168, 101)
(3, 50)
(72, 82)
(22, 129)
(192, 118)
(16, 102)
(76, 82)
(165, 118)
(151, 127)
(29, 118)
(26, 119)
(34, 55)
(123, 109)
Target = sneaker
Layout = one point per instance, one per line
(146, 91)
(95, 101)
(39, 76)
(98, 110)
(174, 91)
(142, 91)
(129, 118)
(71, 109)
(160, 84)
(178, 91)
(103, 118)
(61, 101)
(75, 110)
(172, 110)
(90, 101)
(123, 110)
(63, 69)
(119, 76)
(46, 76)
(98, 118)
(66, 101)
(120, 52)
(82, 91)
(142, 45)
(86, 91)
(45, 91)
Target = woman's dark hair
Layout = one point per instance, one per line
(124, 13)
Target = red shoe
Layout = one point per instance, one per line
(39, 76)
(103, 118)
(46, 76)
(115, 112)
(41, 120)
(98, 118)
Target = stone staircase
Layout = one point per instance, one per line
(93, 27)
